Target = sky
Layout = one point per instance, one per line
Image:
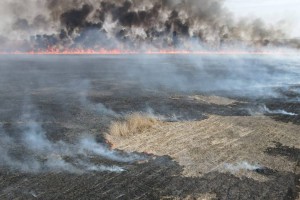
(270, 11)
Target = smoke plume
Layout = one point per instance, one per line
(241, 166)
(263, 109)
(281, 112)
(131, 24)
(40, 154)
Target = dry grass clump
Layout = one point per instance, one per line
(134, 124)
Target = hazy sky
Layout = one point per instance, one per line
(270, 11)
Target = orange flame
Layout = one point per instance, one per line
(71, 52)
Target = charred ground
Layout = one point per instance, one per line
(77, 96)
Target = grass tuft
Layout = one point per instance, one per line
(133, 124)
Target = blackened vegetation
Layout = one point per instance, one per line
(290, 153)
(177, 109)
(265, 171)
(159, 178)
(287, 118)
(288, 100)
(63, 117)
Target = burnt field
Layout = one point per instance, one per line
(149, 127)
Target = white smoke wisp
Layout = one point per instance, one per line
(34, 137)
(241, 166)
(39, 154)
(98, 108)
(280, 112)
(88, 144)
(102, 109)
(172, 118)
(264, 110)
(101, 168)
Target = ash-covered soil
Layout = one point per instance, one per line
(229, 127)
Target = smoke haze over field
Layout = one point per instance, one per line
(43, 155)
(46, 99)
(188, 106)
(156, 24)
(108, 88)
(29, 149)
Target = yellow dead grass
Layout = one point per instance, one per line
(205, 146)
(134, 124)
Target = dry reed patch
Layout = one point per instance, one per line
(133, 124)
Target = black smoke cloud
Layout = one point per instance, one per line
(133, 24)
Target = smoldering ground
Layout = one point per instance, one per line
(30, 150)
(55, 110)
(132, 24)
(45, 98)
